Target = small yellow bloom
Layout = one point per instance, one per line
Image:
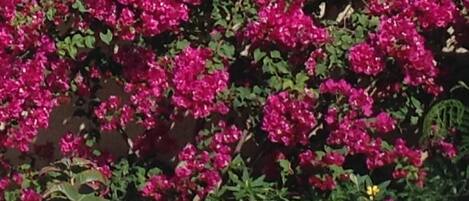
(372, 191)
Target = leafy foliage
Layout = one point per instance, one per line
(444, 116)
(234, 100)
(73, 179)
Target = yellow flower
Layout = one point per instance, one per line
(372, 191)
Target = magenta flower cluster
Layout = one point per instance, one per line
(398, 37)
(448, 149)
(199, 170)
(147, 82)
(112, 115)
(130, 18)
(314, 56)
(354, 134)
(353, 130)
(365, 59)
(358, 99)
(428, 13)
(27, 194)
(155, 141)
(74, 145)
(288, 120)
(195, 87)
(311, 160)
(285, 25)
(26, 101)
(318, 122)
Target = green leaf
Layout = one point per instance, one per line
(68, 40)
(228, 50)
(107, 37)
(91, 198)
(463, 84)
(287, 83)
(374, 21)
(213, 45)
(414, 120)
(336, 170)
(237, 163)
(443, 115)
(354, 180)
(61, 52)
(245, 176)
(221, 22)
(320, 69)
(78, 40)
(233, 177)
(384, 185)
(285, 165)
(258, 55)
(259, 181)
(268, 66)
(153, 171)
(275, 83)
(181, 44)
(72, 193)
(50, 14)
(89, 41)
(12, 195)
(89, 176)
(69, 191)
(301, 77)
(81, 162)
(275, 54)
(417, 105)
(286, 170)
(362, 19)
(282, 67)
(330, 49)
(79, 6)
(300, 80)
(72, 51)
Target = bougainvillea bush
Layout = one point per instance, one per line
(235, 100)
